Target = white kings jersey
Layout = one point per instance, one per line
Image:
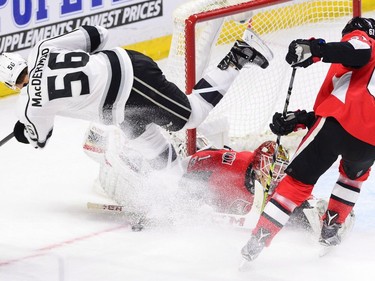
(71, 75)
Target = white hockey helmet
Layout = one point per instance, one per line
(11, 66)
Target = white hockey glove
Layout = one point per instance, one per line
(303, 53)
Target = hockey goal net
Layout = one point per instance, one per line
(204, 31)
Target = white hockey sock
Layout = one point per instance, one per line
(203, 100)
(220, 80)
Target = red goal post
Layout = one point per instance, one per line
(269, 18)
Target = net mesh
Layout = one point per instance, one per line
(257, 93)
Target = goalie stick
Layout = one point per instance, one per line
(138, 220)
(245, 221)
(106, 207)
(241, 221)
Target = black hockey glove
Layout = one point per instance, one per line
(293, 121)
(19, 132)
(21, 135)
(303, 53)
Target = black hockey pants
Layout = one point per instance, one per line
(153, 99)
(320, 148)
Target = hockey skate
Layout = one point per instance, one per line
(333, 233)
(253, 40)
(251, 49)
(329, 238)
(330, 230)
(330, 234)
(255, 245)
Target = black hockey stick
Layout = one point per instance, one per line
(286, 104)
(6, 139)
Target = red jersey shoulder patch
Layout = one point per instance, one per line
(228, 157)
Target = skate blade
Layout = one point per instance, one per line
(324, 250)
(254, 41)
(244, 266)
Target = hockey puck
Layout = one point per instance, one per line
(137, 227)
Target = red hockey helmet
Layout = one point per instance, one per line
(263, 162)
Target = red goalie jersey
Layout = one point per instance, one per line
(226, 173)
(226, 177)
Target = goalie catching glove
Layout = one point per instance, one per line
(294, 120)
(303, 53)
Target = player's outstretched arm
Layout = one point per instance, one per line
(353, 51)
(87, 38)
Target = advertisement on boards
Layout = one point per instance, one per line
(25, 22)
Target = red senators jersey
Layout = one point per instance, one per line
(226, 173)
(348, 94)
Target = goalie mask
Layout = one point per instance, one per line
(263, 162)
(365, 24)
(11, 66)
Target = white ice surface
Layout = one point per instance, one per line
(48, 234)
